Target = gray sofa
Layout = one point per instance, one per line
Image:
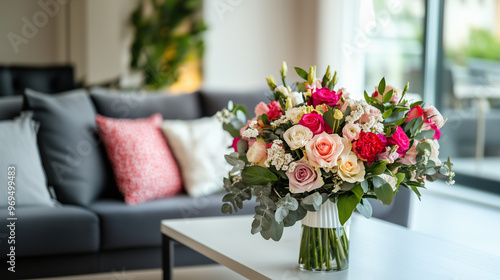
(103, 234)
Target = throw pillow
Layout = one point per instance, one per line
(199, 147)
(74, 159)
(20, 163)
(143, 165)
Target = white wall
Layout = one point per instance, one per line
(39, 34)
(248, 40)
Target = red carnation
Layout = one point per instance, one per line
(368, 147)
(275, 111)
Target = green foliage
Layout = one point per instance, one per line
(165, 39)
(483, 44)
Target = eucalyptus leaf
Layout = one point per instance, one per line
(364, 185)
(281, 213)
(315, 200)
(365, 208)
(226, 208)
(426, 134)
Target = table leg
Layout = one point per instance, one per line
(167, 257)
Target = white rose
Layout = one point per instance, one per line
(297, 136)
(434, 151)
(351, 169)
(296, 98)
(294, 114)
(390, 179)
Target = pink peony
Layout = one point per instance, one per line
(275, 111)
(351, 131)
(415, 112)
(399, 138)
(304, 178)
(324, 96)
(261, 109)
(314, 121)
(323, 150)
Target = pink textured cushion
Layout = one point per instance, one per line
(143, 165)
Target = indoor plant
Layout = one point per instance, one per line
(314, 155)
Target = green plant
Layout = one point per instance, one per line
(167, 34)
(482, 44)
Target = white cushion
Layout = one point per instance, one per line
(199, 147)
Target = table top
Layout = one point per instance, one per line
(378, 250)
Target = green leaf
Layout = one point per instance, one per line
(377, 168)
(381, 86)
(260, 223)
(416, 103)
(281, 213)
(387, 114)
(328, 118)
(426, 134)
(226, 208)
(358, 191)
(346, 204)
(231, 129)
(365, 208)
(258, 175)
(387, 96)
(301, 72)
(274, 232)
(383, 190)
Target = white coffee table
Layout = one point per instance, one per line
(379, 250)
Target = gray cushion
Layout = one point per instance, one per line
(57, 230)
(140, 105)
(125, 226)
(10, 107)
(73, 157)
(19, 155)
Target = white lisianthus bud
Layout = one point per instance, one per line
(284, 69)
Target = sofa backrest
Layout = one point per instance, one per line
(14, 79)
(10, 107)
(213, 101)
(140, 105)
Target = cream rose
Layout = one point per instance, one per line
(257, 153)
(351, 168)
(294, 114)
(297, 136)
(324, 149)
(351, 131)
(304, 177)
(391, 180)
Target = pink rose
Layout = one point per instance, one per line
(415, 112)
(314, 121)
(410, 158)
(399, 138)
(324, 149)
(351, 131)
(304, 178)
(372, 112)
(434, 115)
(235, 143)
(395, 95)
(257, 154)
(324, 96)
(261, 109)
(275, 111)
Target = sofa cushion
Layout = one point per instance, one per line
(125, 226)
(213, 101)
(10, 106)
(141, 105)
(199, 147)
(52, 230)
(22, 173)
(143, 165)
(73, 157)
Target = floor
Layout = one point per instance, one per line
(182, 273)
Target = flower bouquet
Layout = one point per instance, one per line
(313, 149)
